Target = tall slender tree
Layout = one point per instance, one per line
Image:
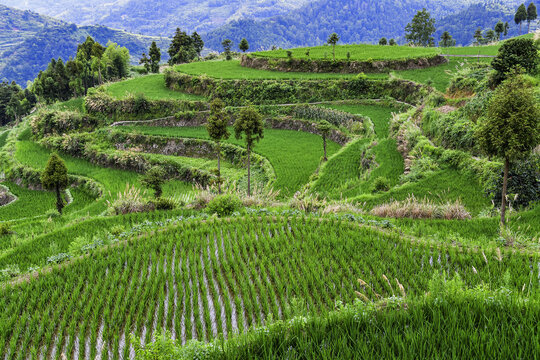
(446, 40)
(145, 62)
(520, 16)
(324, 128)
(333, 40)
(227, 45)
(478, 36)
(511, 128)
(217, 130)
(198, 43)
(155, 57)
(250, 126)
(499, 29)
(531, 15)
(55, 178)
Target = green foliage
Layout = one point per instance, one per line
(381, 184)
(447, 40)
(154, 179)
(511, 128)
(218, 121)
(520, 16)
(224, 205)
(164, 204)
(155, 57)
(55, 177)
(184, 48)
(515, 54)
(249, 126)
(14, 102)
(420, 30)
(227, 45)
(244, 45)
(383, 41)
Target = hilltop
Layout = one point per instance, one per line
(29, 41)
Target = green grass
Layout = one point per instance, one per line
(152, 86)
(379, 115)
(361, 52)
(113, 180)
(440, 187)
(76, 104)
(233, 70)
(32, 203)
(3, 137)
(294, 155)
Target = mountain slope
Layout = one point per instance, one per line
(29, 41)
(159, 17)
(353, 20)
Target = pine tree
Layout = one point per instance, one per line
(227, 45)
(478, 36)
(520, 16)
(249, 124)
(145, 62)
(217, 130)
(446, 40)
(420, 30)
(155, 57)
(531, 15)
(198, 43)
(324, 128)
(506, 28)
(244, 45)
(55, 178)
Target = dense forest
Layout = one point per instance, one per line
(356, 21)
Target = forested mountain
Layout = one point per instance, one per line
(159, 17)
(29, 41)
(358, 21)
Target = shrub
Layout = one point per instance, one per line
(224, 205)
(381, 184)
(164, 204)
(5, 229)
(129, 201)
(422, 209)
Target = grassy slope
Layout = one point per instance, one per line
(233, 70)
(357, 52)
(152, 86)
(294, 155)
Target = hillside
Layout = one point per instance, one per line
(157, 17)
(29, 41)
(355, 21)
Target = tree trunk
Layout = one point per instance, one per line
(324, 147)
(99, 74)
(505, 185)
(334, 52)
(219, 168)
(249, 169)
(59, 201)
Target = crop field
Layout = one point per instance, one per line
(294, 155)
(233, 70)
(362, 52)
(151, 86)
(201, 280)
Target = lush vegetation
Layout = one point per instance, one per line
(151, 86)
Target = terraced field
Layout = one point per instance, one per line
(201, 280)
(151, 86)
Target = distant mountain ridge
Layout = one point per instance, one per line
(28, 42)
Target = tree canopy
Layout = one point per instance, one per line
(420, 30)
(55, 177)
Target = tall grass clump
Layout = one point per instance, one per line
(422, 209)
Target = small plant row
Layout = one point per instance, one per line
(240, 92)
(340, 66)
(200, 280)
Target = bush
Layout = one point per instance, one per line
(381, 184)
(164, 204)
(224, 205)
(5, 229)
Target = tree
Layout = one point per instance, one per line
(155, 57)
(512, 54)
(333, 40)
(491, 36)
(244, 45)
(531, 15)
(198, 43)
(324, 128)
(392, 42)
(55, 178)
(520, 16)
(217, 130)
(499, 29)
(250, 124)
(420, 30)
(478, 36)
(116, 59)
(506, 28)
(145, 62)
(511, 128)
(447, 40)
(183, 48)
(227, 44)
(154, 179)
(383, 41)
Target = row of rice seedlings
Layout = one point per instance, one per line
(256, 266)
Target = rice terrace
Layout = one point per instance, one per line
(329, 199)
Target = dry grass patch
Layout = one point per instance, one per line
(422, 209)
